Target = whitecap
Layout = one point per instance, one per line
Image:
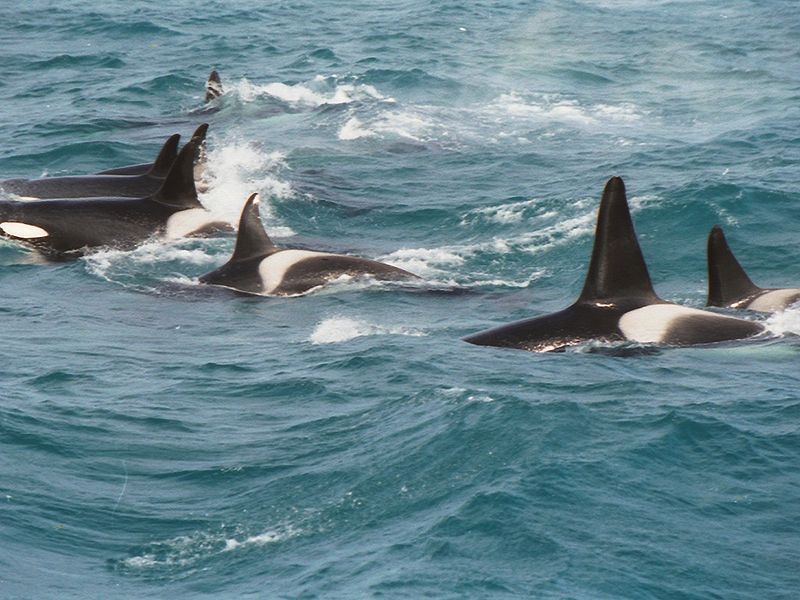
(341, 329)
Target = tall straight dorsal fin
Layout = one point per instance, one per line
(178, 189)
(165, 158)
(213, 86)
(252, 239)
(727, 281)
(617, 268)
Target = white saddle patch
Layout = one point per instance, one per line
(23, 230)
(774, 300)
(649, 324)
(273, 268)
(186, 222)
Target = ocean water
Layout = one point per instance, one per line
(159, 439)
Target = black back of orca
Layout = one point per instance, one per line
(617, 300)
(728, 283)
(102, 186)
(61, 226)
(159, 168)
(258, 266)
(617, 282)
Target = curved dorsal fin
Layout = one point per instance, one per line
(165, 158)
(252, 240)
(201, 155)
(727, 281)
(213, 86)
(178, 189)
(617, 268)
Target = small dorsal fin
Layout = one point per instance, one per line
(617, 268)
(727, 281)
(252, 240)
(213, 86)
(165, 158)
(178, 189)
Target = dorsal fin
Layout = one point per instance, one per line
(165, 158)
(200, 156)
(617, 268)
(727, 281)
(178, 189)
(252, 240)
(213, 86)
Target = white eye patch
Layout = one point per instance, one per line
(23, 230)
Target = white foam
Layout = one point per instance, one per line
(555, 108)
(511, 212)
(268, 537)
(407, 124)
(342, 329)
(317, 92)
(354, 129)
(237, 169)
(785, 322)
(186, 550)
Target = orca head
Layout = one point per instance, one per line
(728, 283)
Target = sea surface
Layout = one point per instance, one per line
(161, 439)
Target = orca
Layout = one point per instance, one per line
(58, 227)
(618, 302)
(214, 87)
(260, 267)
(102, 186)
(730, 287)
(158, 168)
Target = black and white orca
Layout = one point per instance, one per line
(729, 286)
(57, 227)
(260, 267)
(105, 185)
(618, 302)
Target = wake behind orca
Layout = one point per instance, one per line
(729, 286)
(69, 226)
(260, 267)
(618, 302)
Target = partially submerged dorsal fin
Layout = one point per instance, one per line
(617, 268)
(165, 158)
(727, 281)
(200, 156)
(178, 189)
(252, 240)
(213, 86)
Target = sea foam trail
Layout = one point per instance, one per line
(342, 329)
(319, 91)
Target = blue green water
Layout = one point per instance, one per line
(159, 439)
